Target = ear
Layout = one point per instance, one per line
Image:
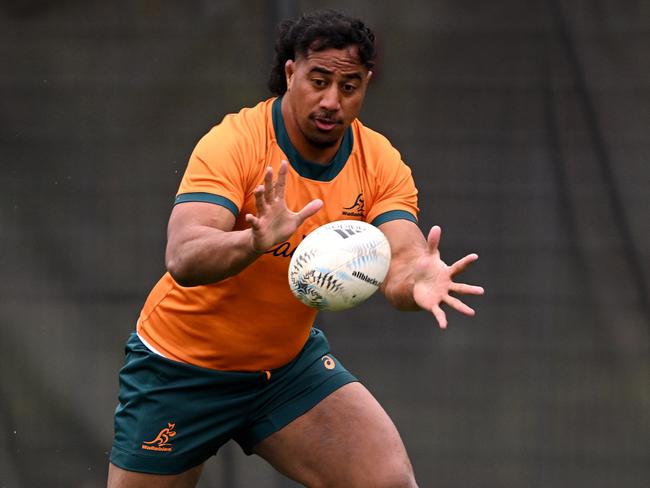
(289, 70)
(369, 76)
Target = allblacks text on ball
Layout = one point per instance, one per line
(339, 265)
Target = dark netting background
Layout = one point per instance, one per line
(526, 124)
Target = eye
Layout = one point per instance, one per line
(349, 87)
(319, 82)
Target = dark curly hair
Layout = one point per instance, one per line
(323, 29)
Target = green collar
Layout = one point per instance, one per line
(305, 168)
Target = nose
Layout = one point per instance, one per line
(330, 100)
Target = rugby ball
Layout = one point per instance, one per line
(339, 265)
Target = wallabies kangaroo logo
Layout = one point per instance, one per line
(357, 209)
(161, 442)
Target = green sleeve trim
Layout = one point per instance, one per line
(393, 215)
(207, 198)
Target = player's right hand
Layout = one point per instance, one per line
(274, 222)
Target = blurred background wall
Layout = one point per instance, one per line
(526, 124)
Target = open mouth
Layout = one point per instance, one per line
(325, 124)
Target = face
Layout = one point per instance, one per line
(325, 92)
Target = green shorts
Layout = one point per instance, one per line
(173, 416)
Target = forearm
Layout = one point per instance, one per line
(206, 255)
(418, 279)
(407, 245)
(398, 288)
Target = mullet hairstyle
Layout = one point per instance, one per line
(317, 31)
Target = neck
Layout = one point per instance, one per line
(318, 155)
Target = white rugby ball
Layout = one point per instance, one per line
(339, 265)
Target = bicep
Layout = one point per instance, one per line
(190, 220)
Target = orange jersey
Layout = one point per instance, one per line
(251, 321)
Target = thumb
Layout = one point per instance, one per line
(310, 209)
(433, 239)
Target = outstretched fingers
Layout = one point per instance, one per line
(465, 289)
(268, 192)
(263, 199)
(433, 239)
(440, 316)
(308, 210)
(260, 199)
(253, 221)
(281, 182)
(459, 306)
(462, 263)
(438, 278)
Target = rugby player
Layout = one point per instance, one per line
(222, 349)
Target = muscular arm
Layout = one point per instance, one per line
(202, 248)
(418, 278)
(407, 244)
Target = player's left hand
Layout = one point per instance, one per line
(434, 281)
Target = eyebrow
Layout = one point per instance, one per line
(319, 69)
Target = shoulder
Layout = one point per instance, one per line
(372, 143)
(243, 134)
(369, 135)
(251, 121)
(375, 150)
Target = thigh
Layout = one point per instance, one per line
(121, 478)
(345, 440)
(173, 416)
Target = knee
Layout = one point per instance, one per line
(398, 477)
(398, 474)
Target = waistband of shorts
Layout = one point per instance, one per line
(312, 346)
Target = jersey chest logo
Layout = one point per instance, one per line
(357, 209)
